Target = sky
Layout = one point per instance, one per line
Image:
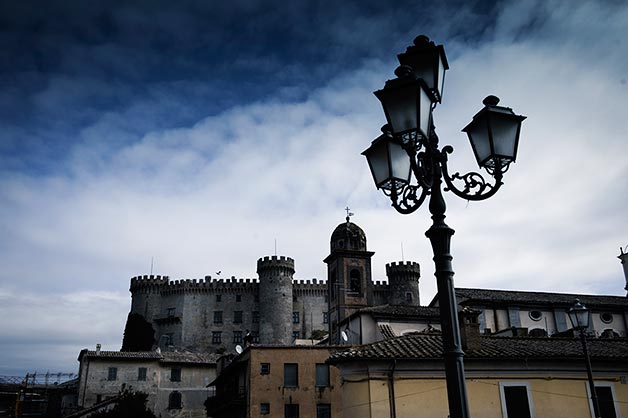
(190, 137)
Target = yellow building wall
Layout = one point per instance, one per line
(551, 397)
(269, 388)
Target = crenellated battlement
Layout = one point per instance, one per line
(403, 270)
(313, 286)
(148, 282)
(274, 262)
(380, 285)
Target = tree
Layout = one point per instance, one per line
(139, 334)
(130, 404)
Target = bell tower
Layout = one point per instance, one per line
(349, 283)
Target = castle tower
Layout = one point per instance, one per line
(403, 281)
(275, 296)
(348, 275)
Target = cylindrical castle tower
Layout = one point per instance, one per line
(403, 281)
(275, 299)
(146, 295)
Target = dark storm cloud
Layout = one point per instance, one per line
(66, 65)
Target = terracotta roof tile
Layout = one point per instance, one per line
(521, 297)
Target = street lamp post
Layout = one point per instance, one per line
(579, 317)
(408, 146)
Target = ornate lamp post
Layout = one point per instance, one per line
(409, 147)
(579, 317)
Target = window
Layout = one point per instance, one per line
(255, 337)
(291, 411)
(605, 392)
(606, 317)
(515, 400)
(237, 317)
(290, 375)
(409, 297)
(218, 298)
(217, 317)
(238, 298)
(237, 337)
(322, 375)
(216, 337)
(323, 410)
(174, 400)
(265, 368)
(295, 335)
(264, 408)
(535, 315)
(168, 339)
(112, 373)
(295, 318)
(325, 317)
(294, 298)
(170, 312)
(141, 373)
(355, 281)
(255, 317)
(175, 374)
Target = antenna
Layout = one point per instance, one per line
(402, 257)
(275, 247)
(151, 264)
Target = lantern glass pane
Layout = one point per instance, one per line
(400, 107)
(441, 78)
(377, 157)
(583, 318)
(425, 110)
(479, 138)
(399, 162)
(505, 131)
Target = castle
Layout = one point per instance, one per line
(212, 315)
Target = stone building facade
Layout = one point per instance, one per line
(216, 315)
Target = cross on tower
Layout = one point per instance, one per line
(349, 213)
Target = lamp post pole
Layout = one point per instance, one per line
(408, 165)
(579, 317)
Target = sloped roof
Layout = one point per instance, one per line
(522, 297)
(164, 357)
(402, 311)
(430, 347)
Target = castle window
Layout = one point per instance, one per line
(264, 408)
(265, 368)
(237, 337)
(175, 374)
(170, 312)
(295, 334)
(255, 317)
(216, 337)
(355, 281)
(168, 339)
(291, 410)
(238, 298)
(112, 373)
(325, 317)
(217, 317)
(237, 317)
(141, 374)
(255, 337)
(323, 410)
(606, 317)
(174, 400)
(409, 297)
(295, 317)
(218, 298)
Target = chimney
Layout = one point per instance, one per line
(97, 349)
(624, 262)
(470, 329)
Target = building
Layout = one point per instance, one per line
(277, 382)
(211, 315)
(505, 376)
(176, 382)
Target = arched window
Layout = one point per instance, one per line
(174, 400)
(537, 332)
(355, 281)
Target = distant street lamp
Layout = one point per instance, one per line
(409, 146)
(579, 317)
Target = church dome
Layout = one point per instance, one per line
(348, 236)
